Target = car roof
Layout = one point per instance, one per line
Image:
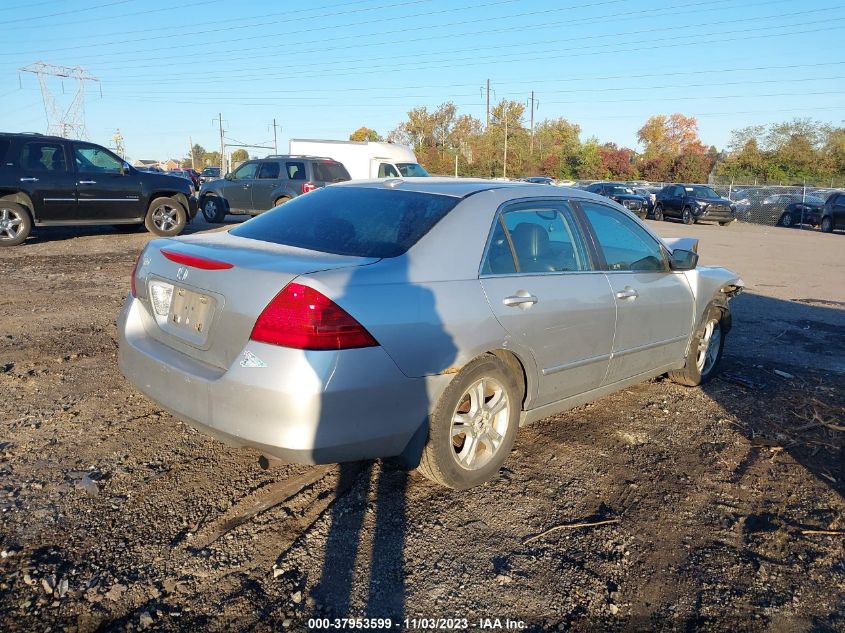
(463, 187)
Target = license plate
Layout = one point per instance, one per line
(190, 310)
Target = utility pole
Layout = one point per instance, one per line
(532, 100)
(191, 153)
(219, 120)
(505, 164)
(488, 104)
(275, 141)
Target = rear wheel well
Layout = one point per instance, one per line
(516, 368)
(22, 199)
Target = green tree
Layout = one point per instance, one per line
(364, 134)
(239, 156)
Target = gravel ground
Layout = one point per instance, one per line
(720, 508)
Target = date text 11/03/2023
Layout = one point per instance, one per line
(427, 624)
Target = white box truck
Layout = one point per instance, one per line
(363, 159)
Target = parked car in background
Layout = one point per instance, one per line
(191, 174)
(833, 212)
(367, 319)
(52, 181)
(648, 195)
(538, 180)
(795, 209)
(258, 185)
(209, 173)
(623, 194)
(365, 159)
(693, 203)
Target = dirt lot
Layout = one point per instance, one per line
(724, 507)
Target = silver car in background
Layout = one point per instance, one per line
(424, 319)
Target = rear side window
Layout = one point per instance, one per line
(296, 171)
(269, 170)
(43, 157)
(357, 221)
(330, 172)
(5, 143)
(543, 238)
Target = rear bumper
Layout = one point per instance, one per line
(302, 407)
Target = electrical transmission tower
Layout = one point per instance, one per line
(68, 123)
(118, 144)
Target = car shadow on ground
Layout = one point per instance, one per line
(783, 379)
(377, 490)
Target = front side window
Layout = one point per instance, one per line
(386, 170)
(296, 171)
(540, 238)
(43, 157)
(412, 170)
(624, 243)
(269, 170)
(245, 171)
(90, 158)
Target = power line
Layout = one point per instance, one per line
(574, 51)
(639, 88)
(603, 18)
(323, 49)
(104, 18)
(358, 36)
(53, 15)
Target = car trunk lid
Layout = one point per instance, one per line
(202, 294)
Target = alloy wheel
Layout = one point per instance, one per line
(480, 423)
(708, 347)
(11, 224)
(165, 217)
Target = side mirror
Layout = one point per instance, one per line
(125, 169)
(229, 176)
(681, 259)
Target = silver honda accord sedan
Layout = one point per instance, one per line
(422, 319)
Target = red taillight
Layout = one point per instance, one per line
(196, 262)
(132, 287)
(308, 186)
(303, 318)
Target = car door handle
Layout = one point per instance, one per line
(628, 293)
(246, 186)
(29, 179)
(87, 182)
(520, 300)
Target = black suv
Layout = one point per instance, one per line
(623, 194)
(52, 181)
(258, 185)
(693, 203)
(833, 212)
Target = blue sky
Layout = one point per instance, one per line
(324, 68)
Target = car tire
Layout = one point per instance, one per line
(213, 210)
(658, 213)
(687, 217)
(461, 459)
(280, 201)
(827, 224)
(165, 217)
(705, 351)
(15, 223)
(786, 220)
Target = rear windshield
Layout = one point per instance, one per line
(330, 172)
(358, 221)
